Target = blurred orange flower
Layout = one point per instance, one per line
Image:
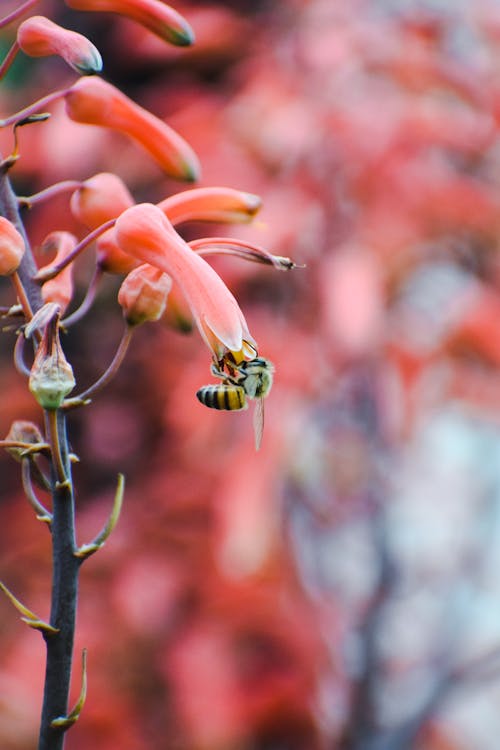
(156, 16)
(95, 102)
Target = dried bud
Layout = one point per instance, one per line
(143, 294)
(51, 376)
(12, 247)
(22, 432)
(39, 37)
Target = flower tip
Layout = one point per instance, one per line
(253, 203)
(191, 170)
(89, 65)
(182, 36)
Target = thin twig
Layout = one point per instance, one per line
(8, 59)
(107, 376)
(27, 201)
(87, 301)
(24, 8)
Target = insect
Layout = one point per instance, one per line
(252, 379)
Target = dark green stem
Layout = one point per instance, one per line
(64, 598)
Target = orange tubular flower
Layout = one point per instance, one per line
(60, 288)
(40, 37)
(156, 16)
(211, 204)
(12, 247)
(92, 101)
(143, 294)
(144, 232)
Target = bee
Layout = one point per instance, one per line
(251, 379)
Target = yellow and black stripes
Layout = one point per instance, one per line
(222, 396)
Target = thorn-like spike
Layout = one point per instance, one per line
(88, 549)
(27, 615)
(65, 722)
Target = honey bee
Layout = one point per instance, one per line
(252, 379)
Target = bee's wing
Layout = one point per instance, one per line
(258, 422)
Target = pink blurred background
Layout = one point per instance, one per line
(340, 588)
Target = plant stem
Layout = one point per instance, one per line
(63, 605)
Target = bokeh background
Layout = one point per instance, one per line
(339, 589)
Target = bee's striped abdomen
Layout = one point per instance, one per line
(223, 396)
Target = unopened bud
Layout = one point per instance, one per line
(143, 294)
(12, 247)
(51, 376)
(39, 36)
(22, 431)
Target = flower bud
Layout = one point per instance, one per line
(12, 247)
(22, 431)
(39, 37)
(143, 294)
(51, 377)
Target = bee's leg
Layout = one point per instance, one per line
(217, 372)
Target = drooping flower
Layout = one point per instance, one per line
(144, 232)
(60, 288)
(39, 37)
(93, 101)
(12, 247)
(143, 294)
(156, 16)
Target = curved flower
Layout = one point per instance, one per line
(144, 232)
(93, 101)
(60, 288)
(39, 37)
(156, 16)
